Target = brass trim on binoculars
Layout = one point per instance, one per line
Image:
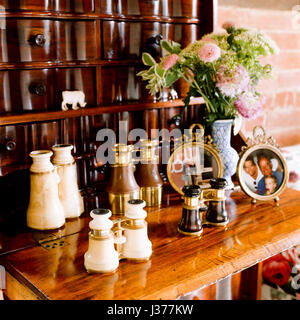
(151, 195)
(118, 201)
(198, 233)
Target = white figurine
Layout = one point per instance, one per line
(74, 98)
(173, 94)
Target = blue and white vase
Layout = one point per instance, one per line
(221, 134)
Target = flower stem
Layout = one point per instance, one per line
(208, 103)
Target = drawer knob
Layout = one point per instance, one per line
(10, 145)
(39, 40)
(38, 89)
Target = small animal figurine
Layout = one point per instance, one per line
(173, 94)
(74, 98)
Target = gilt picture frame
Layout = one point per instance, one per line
(193, 163)
(262, 170)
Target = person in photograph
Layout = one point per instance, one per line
(271, 184)
(265, 166)
(252, 174)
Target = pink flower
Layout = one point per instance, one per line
(207, 38)
(228, 24)
(170, 61)
(232, 82)
(210, 52)
(249, 105)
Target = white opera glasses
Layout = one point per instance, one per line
(113, 240)
(102, 255)
(137, 246)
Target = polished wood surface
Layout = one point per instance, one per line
(150, 107)
(130, 39)
(179, 264)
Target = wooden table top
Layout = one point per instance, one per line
(179, 264)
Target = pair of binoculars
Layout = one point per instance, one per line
(194, 207)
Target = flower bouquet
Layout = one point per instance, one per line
(222, 68)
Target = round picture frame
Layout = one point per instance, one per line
(216, 169)
(271, 153)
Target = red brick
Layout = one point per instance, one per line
(283, 118)
(283, 80)
(288, 80)
(285, 99)
(257, 18)
(268, 86)
(286, 40)
(297, 99)
(286, 136)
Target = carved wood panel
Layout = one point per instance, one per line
(26, 90)
(166, 8)
(26, 40)
(42, 5)
(71, 79)
(75, 40)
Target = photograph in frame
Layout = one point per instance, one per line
(262, 172)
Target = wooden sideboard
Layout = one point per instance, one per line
(95, 46)
(52, 264)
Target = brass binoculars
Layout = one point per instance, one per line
(195, 213)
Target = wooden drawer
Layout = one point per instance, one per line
(44, 135)
(26, 90)
(76, 40)
(26, 40)
(13, 145)
(121, 84)
(69, 6)
(71, 79)
(166, 8)
(70, 128)
(74, 6)
(28, 5)
(132, 7)
(16, 142)
(128, 40)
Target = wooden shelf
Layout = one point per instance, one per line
(101, 16)
(9, 119)
(179, 264)
(70, 64)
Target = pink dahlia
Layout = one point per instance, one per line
(210, 52)
(170, 61)
(228, 24)
(232, 83)
(249, 105)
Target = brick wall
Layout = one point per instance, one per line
(281, 115)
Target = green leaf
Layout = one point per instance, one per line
(148, 60)
(159, 71)
(166, 45)
(171, 77)
(176, 47)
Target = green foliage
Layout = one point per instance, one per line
(238, 46)
(148, 60)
